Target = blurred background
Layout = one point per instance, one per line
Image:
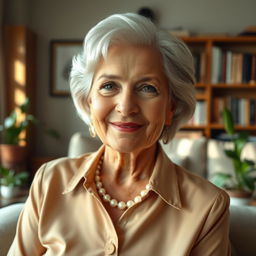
(63, 20)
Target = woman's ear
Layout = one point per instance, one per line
(89, 100)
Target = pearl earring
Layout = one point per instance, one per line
(92, 130)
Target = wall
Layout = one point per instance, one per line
(2, 90)
(65, 19)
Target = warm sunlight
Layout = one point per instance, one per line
(19, 73)
(19, 93)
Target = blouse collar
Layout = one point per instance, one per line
(163, 181)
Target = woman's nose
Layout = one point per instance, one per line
(127, 104)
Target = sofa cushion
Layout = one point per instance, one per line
(8, 220)
(80, 144)
(189, 153)
(243, 229)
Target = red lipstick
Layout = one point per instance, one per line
(126, 127)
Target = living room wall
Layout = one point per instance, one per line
(65, 19)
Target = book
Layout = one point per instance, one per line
(202, 67)
(216, 65)
(247, 68)
(253, 70)
(228, 66)
(252, 119)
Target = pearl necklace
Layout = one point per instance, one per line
(113, 202)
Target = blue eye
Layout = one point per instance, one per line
(148, 89)
(107, 86)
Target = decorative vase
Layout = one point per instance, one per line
(239, 197)
(9, 191)
(13, 157)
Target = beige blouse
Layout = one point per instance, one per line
(183, 215)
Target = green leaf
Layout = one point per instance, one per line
(228, 121)
(221, 179)
(12, 135)
(32, 119)
(25, 106)
(24, 124)
(10, 178)
(231, 154)
(4, 171)
(248, 182)
(249, 162)
(10, 120)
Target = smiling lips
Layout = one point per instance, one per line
(126, 127)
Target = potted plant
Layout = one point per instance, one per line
(242, 184)
(11, 182)
(12, 153)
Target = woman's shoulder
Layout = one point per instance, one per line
(63, 168)
(196, 188)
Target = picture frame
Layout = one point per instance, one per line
(61, 54)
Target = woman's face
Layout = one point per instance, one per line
(129, 100)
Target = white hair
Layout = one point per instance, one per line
(135, 29)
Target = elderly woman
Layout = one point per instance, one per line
(134, 86)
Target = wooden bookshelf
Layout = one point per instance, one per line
(215, 79)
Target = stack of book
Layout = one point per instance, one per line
(199, 117)
(233, 67)
(243, 109)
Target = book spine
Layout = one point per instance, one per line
(228, 67)
(216, 64)
(252, 111)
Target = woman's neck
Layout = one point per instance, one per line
(129, 167)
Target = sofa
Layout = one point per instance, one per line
(200, 155)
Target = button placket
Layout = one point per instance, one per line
(110, 248)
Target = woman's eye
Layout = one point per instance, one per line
(108, 88)
(148, 89)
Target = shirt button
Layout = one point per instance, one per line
(110, 248)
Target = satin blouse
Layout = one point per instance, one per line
(182, 215)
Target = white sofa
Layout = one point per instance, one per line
(8, 220)
(198, 155)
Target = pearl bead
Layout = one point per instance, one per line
(148, 187)
(113, 202)
(130, 203)
(121, 205)
(106, 197)
(99, 184)
(137, 199)
(143, 192)
(102, 191)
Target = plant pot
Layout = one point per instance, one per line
(9, 191)
(13, 157)
(239, 197)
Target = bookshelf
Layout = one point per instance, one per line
(226, 76)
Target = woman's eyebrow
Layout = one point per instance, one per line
(108, 76)
(117, 77)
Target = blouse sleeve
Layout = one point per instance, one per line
(27, 240)
(214, 238)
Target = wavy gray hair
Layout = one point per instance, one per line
(135, 29)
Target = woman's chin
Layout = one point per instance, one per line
(128, 147)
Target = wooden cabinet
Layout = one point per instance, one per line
(20, 69)
(226, 74)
